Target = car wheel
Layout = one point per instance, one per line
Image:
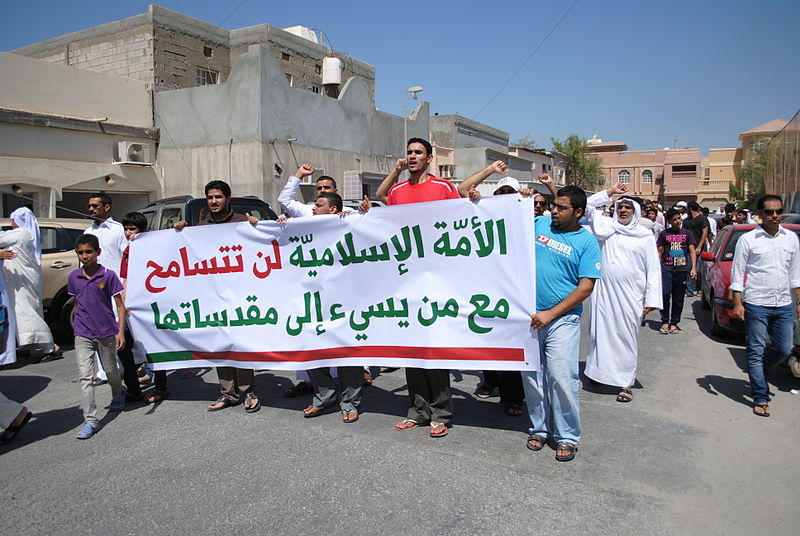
(716, 329)
(65, 317)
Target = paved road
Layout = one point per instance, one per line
(687, 456)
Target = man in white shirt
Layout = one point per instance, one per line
(295, 208)
(111, 236)
(770, 257)
(108, 232)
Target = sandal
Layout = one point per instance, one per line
(156, 396)
(674, 330)
(14, 429)
(251, 403)
(145, 380)
(514, 410)
(664, 329)
(762, 409)
(297, 390)
(350, 416)
(625, 395)
(569, 447)
(222, 403)
(97, 382)
(536, 442)
(406, 424)
(438, 429)
(314, 411)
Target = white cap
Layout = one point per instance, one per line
(681, 204)
(507, 181)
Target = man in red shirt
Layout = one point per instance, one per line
(428, 389)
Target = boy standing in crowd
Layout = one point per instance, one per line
(96, 329)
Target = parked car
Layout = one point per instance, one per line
(164, 213)
(58, 260)
(716, 269)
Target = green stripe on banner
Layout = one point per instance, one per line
(166, 357)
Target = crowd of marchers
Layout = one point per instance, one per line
(627, 254)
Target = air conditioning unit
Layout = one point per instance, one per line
(134, 152)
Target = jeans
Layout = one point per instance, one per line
(85, 349)
(760, 321)
(690, 285)
(673, 285)
(125, 355)
(552, 392)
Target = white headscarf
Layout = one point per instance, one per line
(26, 220)
(633, 228)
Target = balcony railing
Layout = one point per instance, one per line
(682, 175)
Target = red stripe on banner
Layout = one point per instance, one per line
(407, 352)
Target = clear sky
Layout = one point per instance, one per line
(638, 71)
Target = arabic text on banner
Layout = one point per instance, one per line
(446, 285)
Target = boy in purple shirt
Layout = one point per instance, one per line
(96, 329)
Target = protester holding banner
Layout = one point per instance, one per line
(232, 380)
(567, 266)
(323, 385)
(428, 389)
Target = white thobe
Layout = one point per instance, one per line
(630, 281)
(23, 278)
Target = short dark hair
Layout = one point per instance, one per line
(425, 143)
(704, 210)
(764, 198)
(694, 206)
(104, 198)
(651, 209)
(577, 197)
(222, 186)
(334, 200)
(327, 178)
(730, 207)
(135, 219)
(88, 239)
(671, 214)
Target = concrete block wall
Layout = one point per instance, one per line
(179, 54)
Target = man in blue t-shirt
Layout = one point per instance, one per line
(567, 266)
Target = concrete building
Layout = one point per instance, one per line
(169, 50)
(463, 147)
(255, 129)
(666, 175)
(244, 105)
(542, 161)
(65, 133)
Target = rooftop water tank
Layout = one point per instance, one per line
(331, 71)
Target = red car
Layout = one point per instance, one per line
(715, 293)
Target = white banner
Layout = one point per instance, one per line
(446, 285)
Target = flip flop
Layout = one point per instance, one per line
(225, 401)
(349, 416)
(438, 429)
(625, 395)
(251, 403)
(664, 329)
(406, 424)
(541, 440)
(764, 407)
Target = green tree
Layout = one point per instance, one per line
(752, 174)
(734, 193)
(581, 170)
(525, 141)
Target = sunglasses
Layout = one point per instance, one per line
(94, 205)
(540, 203)
(769, 212)
(324, 187)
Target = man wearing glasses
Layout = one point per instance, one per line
(769, 256)
(567, 266)
(108, 232)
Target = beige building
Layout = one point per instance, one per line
(720, 170)
(666, 175)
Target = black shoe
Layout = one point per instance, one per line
(52, 356)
